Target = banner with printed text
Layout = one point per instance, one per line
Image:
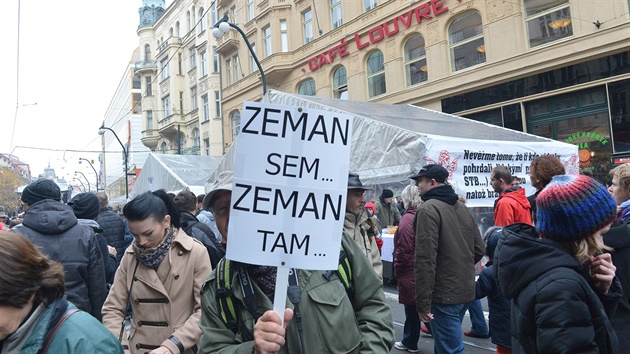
(290, 186)
(470, 163)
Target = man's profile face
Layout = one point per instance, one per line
(497, 184)
(424, 184)
(355, 201)
(388, 200)
(221, 209)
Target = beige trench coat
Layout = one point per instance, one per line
(166, 303)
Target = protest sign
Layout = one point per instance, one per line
(470, 163)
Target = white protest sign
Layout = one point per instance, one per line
(290, 186)
(470, 163)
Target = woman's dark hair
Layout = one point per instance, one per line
(25, 271)
(154, 205)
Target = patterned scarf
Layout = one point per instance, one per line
(264, 277)
(152, 257)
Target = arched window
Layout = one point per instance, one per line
(177, 33)
(547, 21)
(376, 74)
(415, 60)
(340, 83)
(236, 124)
(465, 39)
(202, 21)
(188, 27)
(170, 32)
(164, 147)
(307, 88)
(147, 52)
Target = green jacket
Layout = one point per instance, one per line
(79, 334)
(327, 313)
(387, 214)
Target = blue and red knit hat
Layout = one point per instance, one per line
(572, 208)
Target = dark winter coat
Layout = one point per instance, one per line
(109, 260)
(619, 238)
(200, 231)
(52, 227)
(554, 306)
(113, 227)
(405, 257)
(512, 207)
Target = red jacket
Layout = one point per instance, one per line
(512, 207)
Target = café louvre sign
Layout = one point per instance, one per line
(426, 11)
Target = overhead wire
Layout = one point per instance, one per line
(17, 79)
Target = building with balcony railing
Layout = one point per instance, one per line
(179, 73)
(558, 68)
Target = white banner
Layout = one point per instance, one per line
(470, 163)
(290, 186)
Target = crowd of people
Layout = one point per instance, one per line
(79, 278)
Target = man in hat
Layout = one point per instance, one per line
(448, 245)
(386, 210)
(358, 226)
(332, 320)
(53, 227)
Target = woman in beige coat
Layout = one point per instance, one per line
(159, 277)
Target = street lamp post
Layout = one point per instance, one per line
(222, 27)
(86, 180)
(101, 131)
(95, 173)
(80, 181)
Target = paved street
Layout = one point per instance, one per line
(425, 344)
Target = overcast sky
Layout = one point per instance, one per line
(72, 55)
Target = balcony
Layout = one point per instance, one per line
(150, 138)
(228, 42)
(141, 67)
(277, 66)
(169, 42)
(168, 125)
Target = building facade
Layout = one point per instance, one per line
(554, 68)
(179, 76)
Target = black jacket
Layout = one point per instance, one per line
(200, 231)
(113, 227)
(554, 306)
(53, 227)
(109, 260)
(619, 238)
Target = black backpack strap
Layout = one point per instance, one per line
(51, 334)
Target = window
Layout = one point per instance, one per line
(181, 102)
(188, 27)
(213, 12)
(250, 10)
(193, 58)
(149, 89)
(215, 60)
(166, 106)
(204, 67)
(149, 120)
(147, 52)
(369, 5)
(237, 68)
(547, 21)
(376, 74)
(415, 60)
(206, 146)
(284, 36)
(164, 65)
(196, 140)
(164, 147)
(335, 9)
(136, 105)
(340, 83)
(236, 124)
(206, 108)
(177, 33)
(170, 32)
(267, 41)
(228, 66)
(202, 21)
(233, 15)
(252, 62)
(217, 104)
(136, 83)
(179, 63)
(307, 26)
(307, 88)
(466, 42)
(193, 98)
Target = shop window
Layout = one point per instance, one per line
(466, 42)
(507, 116)
(619, 93)
(415, 60)
(340, 83)
(236, 124)
(307, 88)
(376, 74)
(547, 21)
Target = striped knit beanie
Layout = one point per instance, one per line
(572, 208)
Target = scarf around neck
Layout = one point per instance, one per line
(152, 257)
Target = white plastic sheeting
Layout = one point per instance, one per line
(174, 173)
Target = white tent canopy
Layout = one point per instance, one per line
(390, 142)
(174, 173)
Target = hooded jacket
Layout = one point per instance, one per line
(360, 230)
(113, 227)
(554, 306)
(53, 227)
(109, 260)
(512, 207)
(200, 231)
(619, 239)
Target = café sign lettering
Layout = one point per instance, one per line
(376, 34)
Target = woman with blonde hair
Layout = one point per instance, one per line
(35, 317)
(560, 283)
